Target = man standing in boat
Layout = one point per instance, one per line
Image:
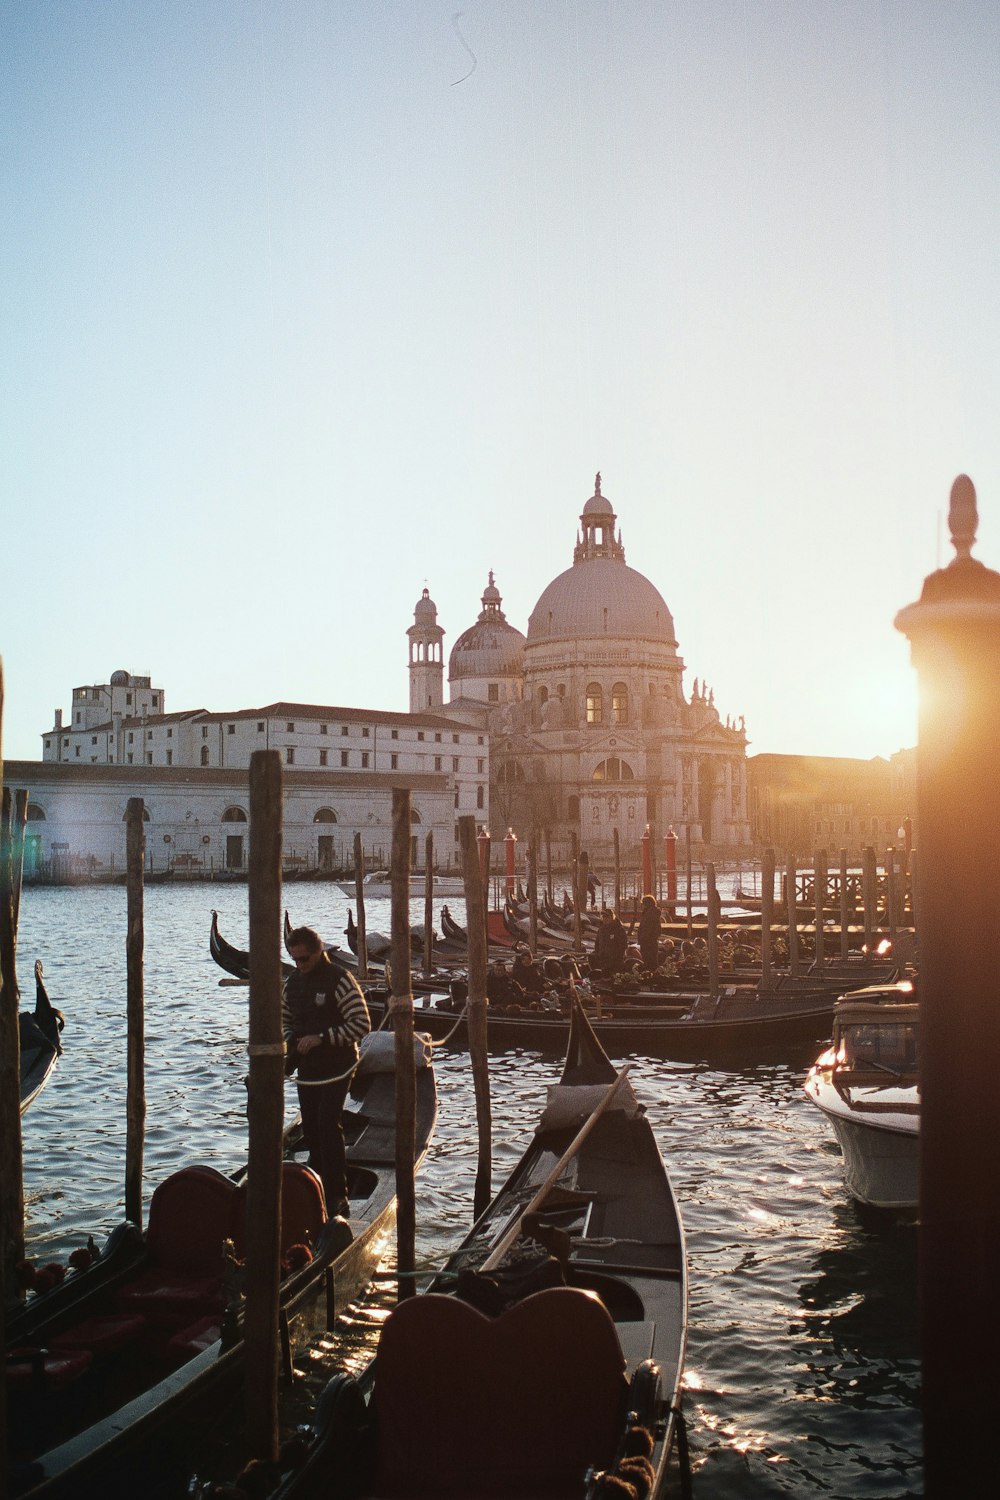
(324, 1017)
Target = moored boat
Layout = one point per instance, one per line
(866, 1085)
(40, 1046)
(118, 1371)
(550, 1349)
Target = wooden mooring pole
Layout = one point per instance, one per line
(766, 917)
(844, 935)
(265, 1107)
(954, 634)
(359, 897)
(819, 904)
(713, 933)
(868, 895)
(618, 870)
(135, 1003)
(475, 926)
(533, 895)
(402, 1025)
(791, 904)
(11, 1168)
(428, 964)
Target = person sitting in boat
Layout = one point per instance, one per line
(526, 973)
(500, 989)
(324, 1016)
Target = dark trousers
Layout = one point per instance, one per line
(322, 1106)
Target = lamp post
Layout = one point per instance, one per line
(954, 634)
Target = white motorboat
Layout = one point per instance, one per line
(866, 1085)
(379, 883)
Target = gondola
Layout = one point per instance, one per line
(39, 1041)
(453, 933)
(118, 1372)
(549, 1351)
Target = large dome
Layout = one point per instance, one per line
(600, 595)
(489, 648)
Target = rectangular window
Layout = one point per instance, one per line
(364, 760)
(437, 762)
(260, 726)
(394, 735)
(230, 728)
(149, 734)
(130, 737)
(343, 728)
(480, 766)
(480, 741)
(437, 739)
(364, 733)
(93, 739)
(79, 718)
(290, 728)
(289, 755)
(322, 757)
(128, 699)
(155, 700)
(493, 692)
(129, 757)
(343, 757)
(322, 729)
(420, 734)
(170, 734)
(170, 757)
(78, 749)
(454, 739)
(393, 762)
(204, 731)
(149, 757)
(454, 762)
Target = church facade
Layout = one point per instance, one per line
(591, 731)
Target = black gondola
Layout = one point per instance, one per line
(549, 1351)
(39, 1041)
(120, 1371)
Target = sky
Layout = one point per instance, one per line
(310, 304)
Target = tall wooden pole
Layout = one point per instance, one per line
(476, 1015)
(791, 903)
(844, 916)
(402, 1025)
(10, 1142)
(618, 870)
(819, 903)
(533, 895)
(548, 865)
(954, 633)
(713, 934)
(766, 917)
(428, 904)
(359, 896)
(265, 1107)
(687, 872)
(135, 944)
(868, 895)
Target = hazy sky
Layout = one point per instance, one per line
(308, 304)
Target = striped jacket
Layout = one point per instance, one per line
(326, 1002)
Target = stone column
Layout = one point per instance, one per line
(954, 631)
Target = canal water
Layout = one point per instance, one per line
(802, 1368)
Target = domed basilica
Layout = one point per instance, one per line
(590, 728)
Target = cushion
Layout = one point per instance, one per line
(27, 1368)
(523, 1403)
(101, 1335)
(194, 1339)
(170, 1301)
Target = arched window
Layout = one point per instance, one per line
(35, 813)
(595, 703)
(234, 815)
(619, 703)
(325, 815)
(204, 755)
(543, 695)
(613, 769)
(414, 815)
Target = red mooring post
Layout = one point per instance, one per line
(647, 864)
(509, 845)
(954, 634)
(670, 860)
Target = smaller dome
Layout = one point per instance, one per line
(425, 608)
(490, 648)
(119, 679)
(598, 504)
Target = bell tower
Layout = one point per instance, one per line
(426, 657)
